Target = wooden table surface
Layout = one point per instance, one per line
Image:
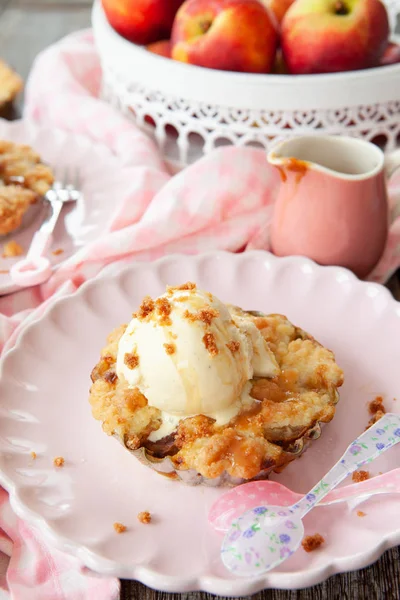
(28, 26)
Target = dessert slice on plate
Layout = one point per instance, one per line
(10, 83)
(23, 180)
(209, 393)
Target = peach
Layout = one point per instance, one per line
(325, 36)
(162, 48)
(231, 35)
(391, 55)
(278, 7)
(142, 21)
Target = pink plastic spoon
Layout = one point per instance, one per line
(258, 493)
(265, 536)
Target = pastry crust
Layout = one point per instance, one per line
(263, 436)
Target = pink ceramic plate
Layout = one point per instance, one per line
(102, 177)
(44, 408)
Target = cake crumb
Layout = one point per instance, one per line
(376, 405)
(111, 377)
(145, 309)
(144, 517)
(119, 527)
(210, 344)
(170, 348)
(233, 346)
(59, 461)
(131, 360)
(164, 310)
(206, 315)
(377, 409)
(360, 513)
(189, 286)
(359, 476)
(12, 249)
(33, 455)
(57, 252)
(312, 542)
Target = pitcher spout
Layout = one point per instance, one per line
(339, 157)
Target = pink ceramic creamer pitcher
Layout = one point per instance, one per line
(332, 204)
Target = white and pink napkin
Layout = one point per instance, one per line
(217, 203)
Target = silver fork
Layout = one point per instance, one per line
(36, 267)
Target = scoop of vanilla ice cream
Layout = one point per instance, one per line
(188, 356)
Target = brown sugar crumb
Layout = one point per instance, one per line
(185, 286)
(360, 513)
(145, 309)
(119, 527)
(312, 542)
(376, 405)
(233, 346)
(33, 455)
(59, 461)
(376, 409)
(359, 476)
(206, 315)
(111, 377)
(164, 310)
(210, 344)
(131, 360)
(58, 252)
(144, 517)
(11, 249)
(170, 348)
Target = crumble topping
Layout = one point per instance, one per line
(144, 517)
(210, 343)
(131, 360)
(145, 309)
(206, 315)
(359, 476)
(377, 409)
(233, 346)
(33, 455)
(312, 542)
(170, 348)
(59, 461)
(111, 377)
(360, 513)
(12, 248)
(119, 527)
(180, 288)
(57, 252)
(164, 309)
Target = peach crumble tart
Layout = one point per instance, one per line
(23, 179)
(210, 393)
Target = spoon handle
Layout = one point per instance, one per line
(384, 434)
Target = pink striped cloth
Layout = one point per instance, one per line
(218, 203)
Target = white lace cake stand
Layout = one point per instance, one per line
(190, 110)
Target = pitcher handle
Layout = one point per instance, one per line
(392, 164)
